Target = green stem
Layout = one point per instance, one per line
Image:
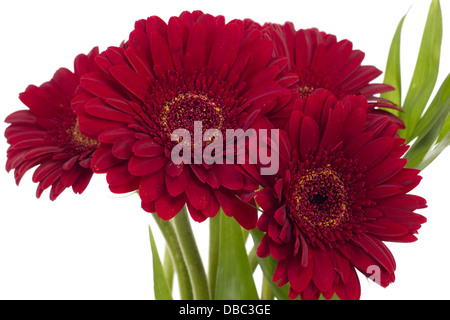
(170, 236)
(253, 259)
(266, 292)
(191, 255)
(214, 233)
(168, 267)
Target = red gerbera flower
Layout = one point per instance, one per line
(195, 68)
(344, 191)
(322, 62)
(47, 135)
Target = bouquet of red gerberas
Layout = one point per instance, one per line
(265, 131)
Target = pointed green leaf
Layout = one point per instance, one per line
(446, 126)
(161, 286)
(438, 110)
(234, 277)
(425, 72)
(432, 154)
(268, 266)
(392, 75)
(430, 128)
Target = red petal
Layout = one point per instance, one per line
(226, 47)
(122, 148)
(103, 159)
(173, 169)
(197, 49)
(162, 58)
(82, 182)
(323, 274)
(119, 176)
(374, 152)
(139, 166)
(152, 186)
(168, 207)
(45, 170)
(231, 177)
(309, 137)
(384, 171)
(147, 148)
(132, 81)
(68, 178)
(98, 85)
(36, 152)
(244, 213)
(198, 194)
(177, 185)
(97, 108)
(177, 34)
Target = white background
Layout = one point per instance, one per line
(95, 246)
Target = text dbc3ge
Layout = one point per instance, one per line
(246, 309)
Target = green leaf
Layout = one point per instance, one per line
(431, 128)
(392, 75)
(161, 286)
(446, 126)
(234, 278)
(432, 154)
(438, 110)
(268, 266)
(425, 72)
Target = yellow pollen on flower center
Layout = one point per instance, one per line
(319, 198)
(305, 90)
(80, 139)
(184, 109)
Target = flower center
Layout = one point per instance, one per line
(305, 90)
(318, 201)
(80, 140)
(184, 109)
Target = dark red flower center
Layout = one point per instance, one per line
(325, 197)
(78, 139)
(319, 200)
(183, 110)
(178, 101)
(305, 90)
(67, 135)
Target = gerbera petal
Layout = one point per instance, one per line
(375, 151)
(226, 46)
(177, 34)
(168, 207)
(147, 148)
(198, 194)
(243, 212)
(178, 184)
(140, 166)
(309, 137)
(162, 58)
(152, 186)
(323, 273)
(131, 80)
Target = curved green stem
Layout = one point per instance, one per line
(191, 255)
(214, 233)
(170, 236)
(266, 292)
(168, 267)
(253, 259)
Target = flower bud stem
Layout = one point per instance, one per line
(191, 255)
